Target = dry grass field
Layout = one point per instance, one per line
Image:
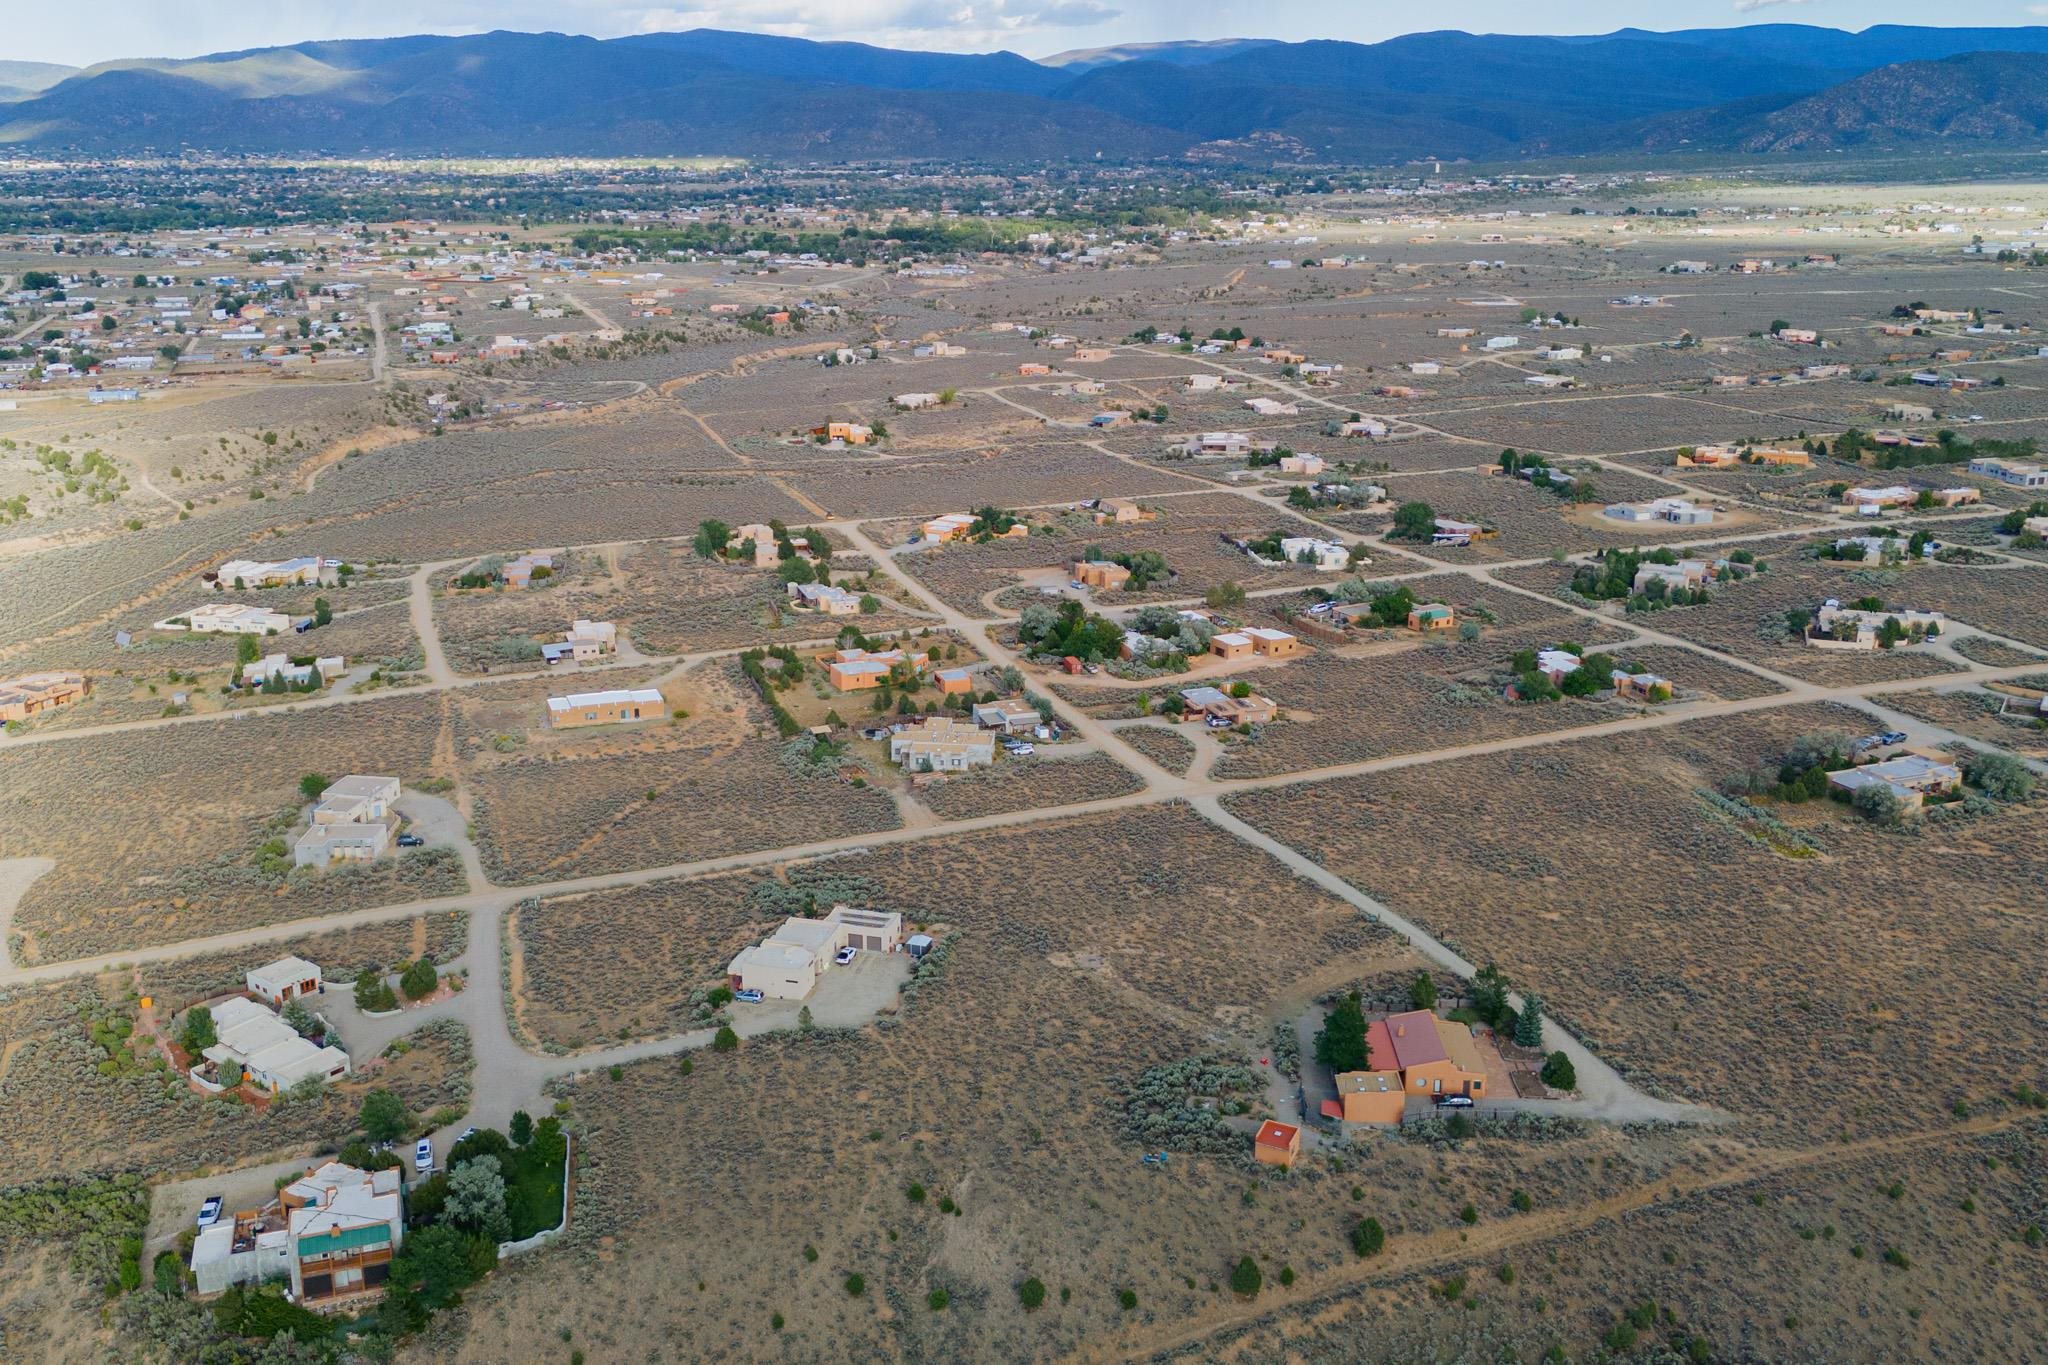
(679, 935)
(551, 804)
(1189, 533)
(662, 596)
(2008, 722)
(1860, 1002)
(213, 796)
(1747, 619)
(1761, 1266)
(72, 1106)
(1050, 779)
(1429, 696)
(1170, 749)
(1155, 938)
(1862, 990)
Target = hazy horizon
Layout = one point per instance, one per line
(1031, 28)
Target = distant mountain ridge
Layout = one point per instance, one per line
(1777, 87)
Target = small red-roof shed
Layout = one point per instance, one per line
(1277, 1144)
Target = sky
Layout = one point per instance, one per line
(110, 29)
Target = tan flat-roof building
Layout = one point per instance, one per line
(1275, 644)
(942, 745)
(857, 670)
(615, 707)
(1230, 644)
(1100, 573)
(33, 693)
(1371, 1096)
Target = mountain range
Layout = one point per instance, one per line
(1762, 88)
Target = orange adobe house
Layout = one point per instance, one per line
(1370, 1096)
(1434, 1056)
(1277, 1144)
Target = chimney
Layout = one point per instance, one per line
(1400, 1030)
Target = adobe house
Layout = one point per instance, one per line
(1434, 1056)
(1275, 644)
(1430, 616)
(1277, 1144)
(32, 693)
(605, 708)
(1099, 573)
(1231, 644)
(1370, 1096)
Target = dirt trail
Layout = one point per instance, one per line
(376, 438)
(1456, 1246)
(16, 876)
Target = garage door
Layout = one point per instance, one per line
(874, 943)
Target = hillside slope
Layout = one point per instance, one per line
(1440, 95)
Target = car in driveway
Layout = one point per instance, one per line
(846, 955)
(1454, 1101)
(749, 996)
(1019, 750)
(411, 841)
(423, 1155)
(209, 1212)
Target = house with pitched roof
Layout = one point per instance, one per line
(1434, 1056)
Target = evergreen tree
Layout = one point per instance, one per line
(198, 1033)
(1247, 1279)
(418, 980)
(1529, 1023)
(1422, 991)
(1340, 1045)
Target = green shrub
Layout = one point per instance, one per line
(856, 1285)
(1127, 1299)
(1368, 1238)
(726, 1040)
(938, 1299)
(1031, 1293)
(1247, 1280)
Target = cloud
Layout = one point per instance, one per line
(1749, 6)
(952, 22)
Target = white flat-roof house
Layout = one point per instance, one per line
(1221, 443)
(288, 978)
(346, 842)
(304, 571)
(1325, 555)
(1678, 511)
(270, 666)
(584, 642)
(1909, 777)
(228, 618)
(270, 1054)
(331, 1234)
(2018, 473)
(351, 822)
(787, 964)
(356, 798)
(1838, 627)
